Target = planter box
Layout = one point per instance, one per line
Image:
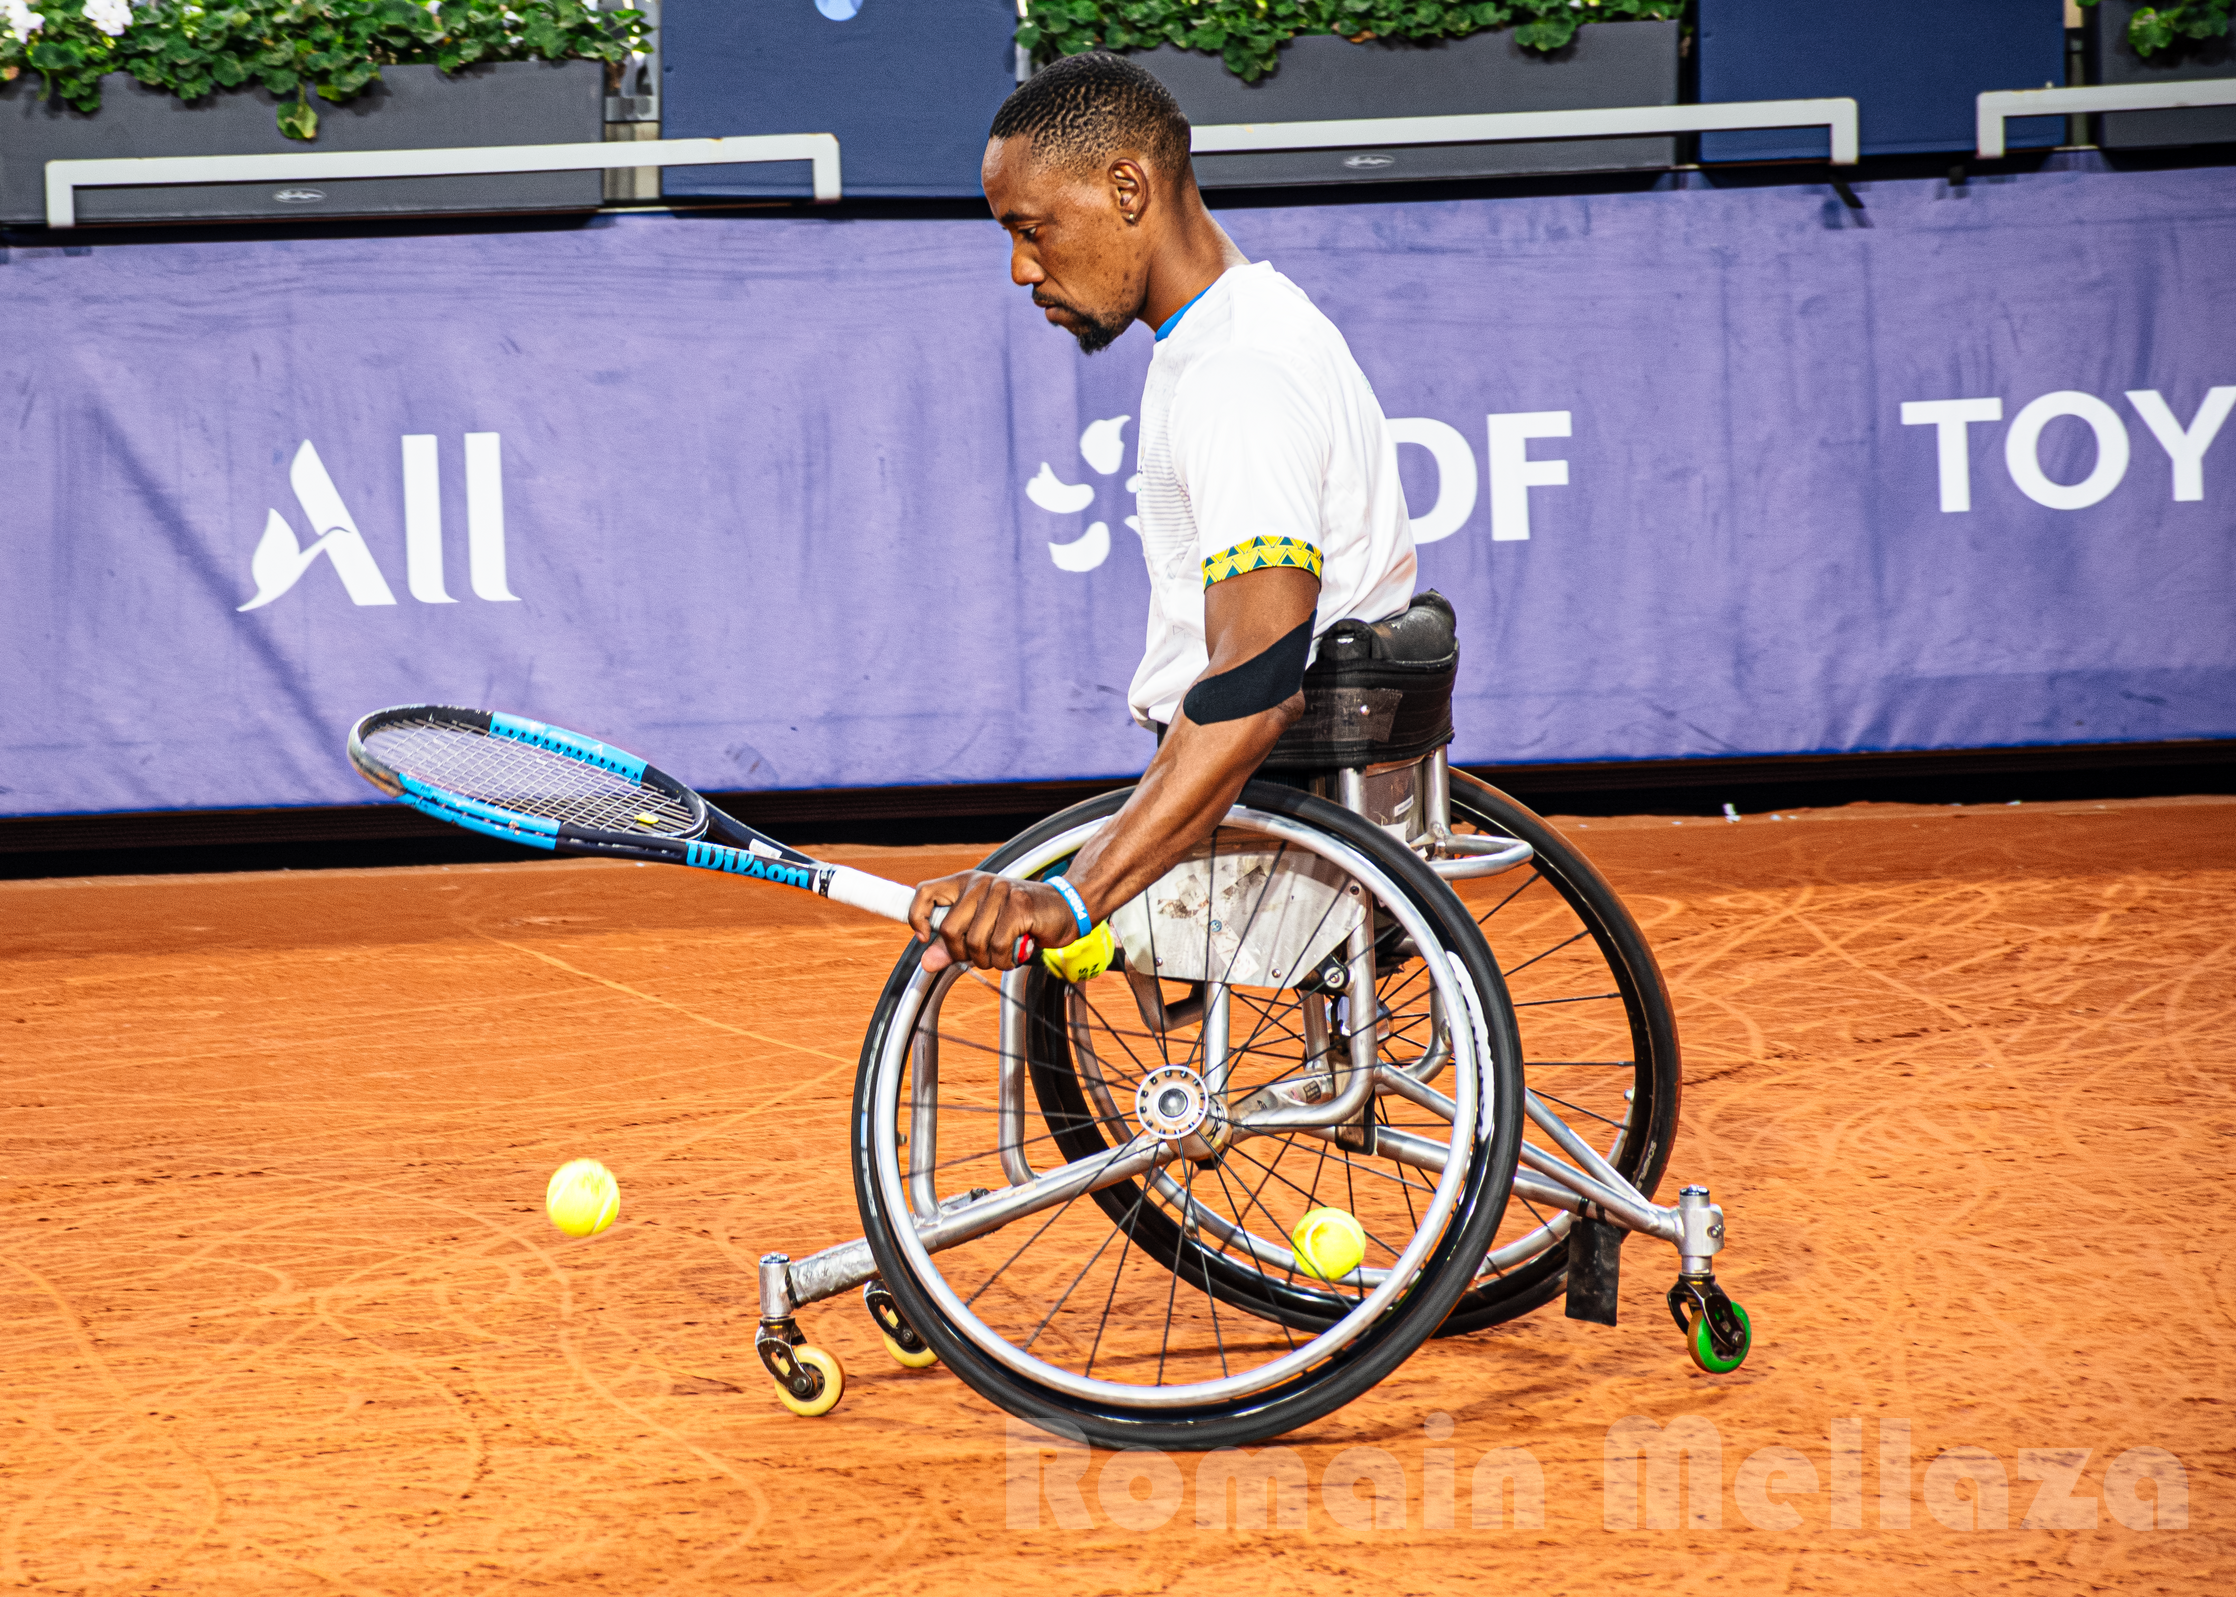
(2112, 59)
(410, 108)
(1913, 67)
(909, 88)
(1323, 78)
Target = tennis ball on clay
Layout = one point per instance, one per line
(1329, 1243)
(1084, 960)
(583, 1198)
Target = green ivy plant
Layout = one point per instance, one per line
(294, 48)
(1248, 34)
(2155, 28)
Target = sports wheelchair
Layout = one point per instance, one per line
(1084, 1197)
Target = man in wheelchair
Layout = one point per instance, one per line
(1270, 507)
(1350, 1052)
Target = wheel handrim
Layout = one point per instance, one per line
(1473, 1112)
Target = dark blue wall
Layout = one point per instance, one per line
(1914, 68)
(909, 88)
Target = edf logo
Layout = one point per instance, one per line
(280, 559)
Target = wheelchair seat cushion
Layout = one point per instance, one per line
(1379, 692)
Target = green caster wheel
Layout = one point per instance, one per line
(1702, 1346)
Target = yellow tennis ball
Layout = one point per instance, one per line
(582, 1198)
(1085, 959)
(1329, 1243)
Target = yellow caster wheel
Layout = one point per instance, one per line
(923, 1358)
(831, 1377)
(908, 1349)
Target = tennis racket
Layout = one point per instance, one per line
(528, 782)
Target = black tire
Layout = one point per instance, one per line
(1656, 1076)
(1417, 1313)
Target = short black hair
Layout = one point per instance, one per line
(1081, 110)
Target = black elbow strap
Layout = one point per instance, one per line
(1261, 683)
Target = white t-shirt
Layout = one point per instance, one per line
(1260, 434)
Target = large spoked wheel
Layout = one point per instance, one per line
(1084, 1196)
(1599, 1043)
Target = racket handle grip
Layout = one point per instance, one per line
(1025, 951)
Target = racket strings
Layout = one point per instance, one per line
(525, 779)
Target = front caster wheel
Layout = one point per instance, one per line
(1701, 1344)
(829, 1383)
(922, 1358)
(909, 1350)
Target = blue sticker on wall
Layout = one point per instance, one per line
(839, 10)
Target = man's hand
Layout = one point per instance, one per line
(986, 917)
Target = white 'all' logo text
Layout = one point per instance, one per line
(281, 559)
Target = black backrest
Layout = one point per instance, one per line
(1379, 691)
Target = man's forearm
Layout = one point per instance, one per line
(1195, 778)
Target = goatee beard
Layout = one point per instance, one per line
(1096, 335)
(1093, 332)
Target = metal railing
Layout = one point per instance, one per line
(1837, 117)
(1997, 105)
(65, 178)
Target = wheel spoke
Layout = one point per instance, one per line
(1127, 1225)
(1251, 1195)
(1027, 1142)
(1065, 1296)
(1549, 953)
(1314, 1197)
(1577, 1108)
(1529, 881)
(1188, 1191)
(976, 1046)
(1144, 1069)
(1056, 1214)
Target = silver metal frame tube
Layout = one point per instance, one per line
(1625, 1209)
(1405, 1084)
(1436, 798)
(1578, 1149)
(1484, 856)
(990, 1213)
(1217, 1065)
(834, 1270)
(1546, 1193)
(1009, 1117)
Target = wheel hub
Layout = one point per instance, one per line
(1172, 1102)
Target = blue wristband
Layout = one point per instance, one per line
(1078, 904)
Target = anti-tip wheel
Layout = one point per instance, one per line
(827, 1395)
(1702, 1346)
(922, 1358)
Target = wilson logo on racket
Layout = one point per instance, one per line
(715, 857)
(281, 560)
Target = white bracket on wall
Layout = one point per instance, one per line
(65, 178)
(1837, 117)
(1998, 104)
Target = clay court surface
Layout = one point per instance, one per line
(282, 1311)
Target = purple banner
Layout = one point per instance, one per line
(797, 503)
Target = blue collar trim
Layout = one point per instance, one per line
(1173, 320)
